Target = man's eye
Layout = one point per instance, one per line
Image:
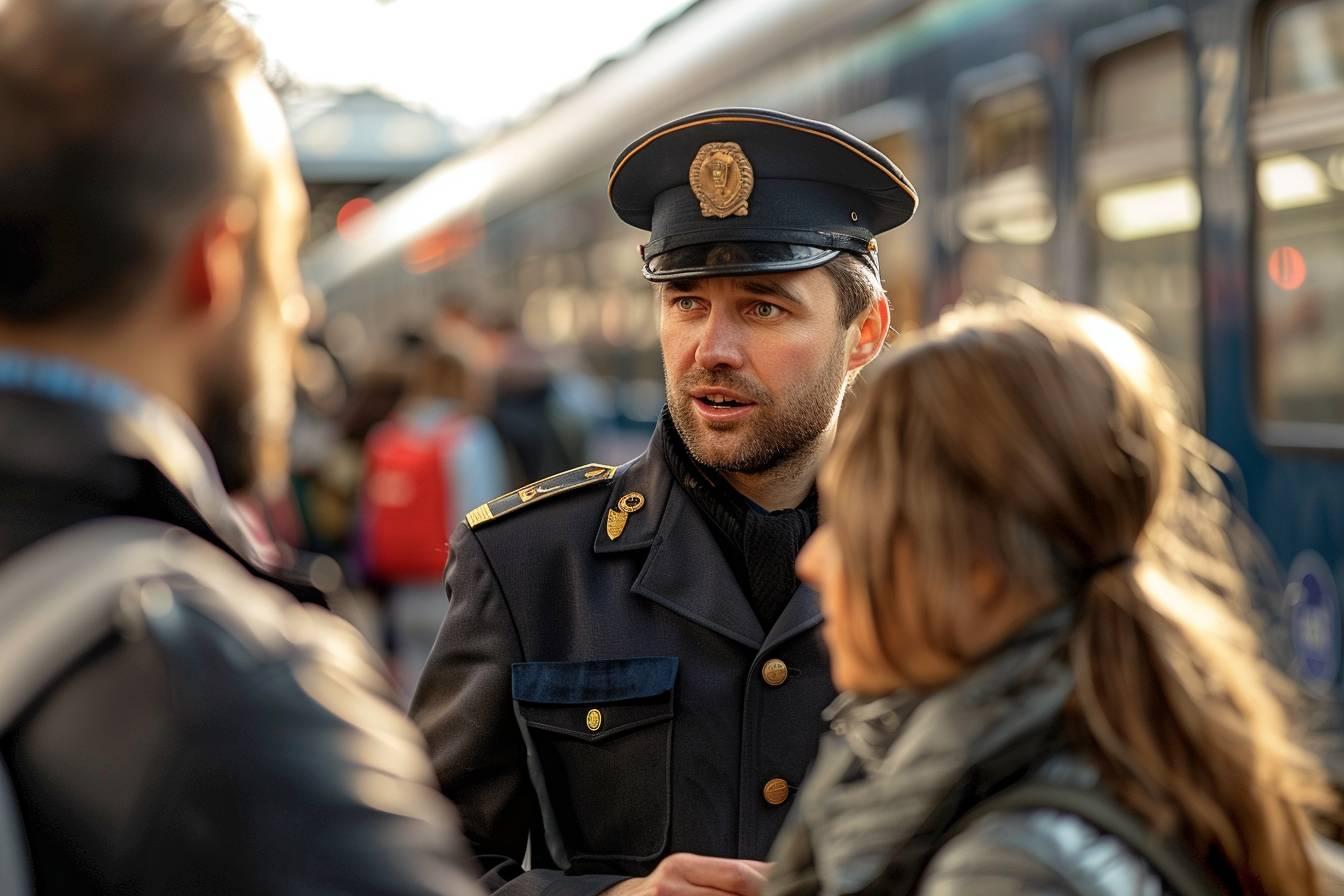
(685, 303)
(766, 310)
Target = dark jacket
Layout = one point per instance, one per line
(604, 700)
(230, 743)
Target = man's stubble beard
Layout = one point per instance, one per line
(226, 428)
(786, 429)
(245, 414)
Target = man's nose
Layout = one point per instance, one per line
(720, 343)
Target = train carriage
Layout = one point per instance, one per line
(1180, 165)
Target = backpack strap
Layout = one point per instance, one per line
(58, 597)
(15, 877)
(1180, 873)
(57, 600)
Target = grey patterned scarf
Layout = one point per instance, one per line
(896, 759)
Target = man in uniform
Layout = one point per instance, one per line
(209, 735)
(628, 684)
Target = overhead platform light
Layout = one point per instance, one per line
(1143, 211)
(1291, 181)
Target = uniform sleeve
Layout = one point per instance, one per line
(464, 706)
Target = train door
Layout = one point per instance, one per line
(1296, 144)
(897, 129)
(1141, 198)
(1002, 215)
(904, 252)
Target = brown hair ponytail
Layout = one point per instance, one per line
(1044, 442)
(1184, 717)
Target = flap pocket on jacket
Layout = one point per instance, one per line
(596, 699)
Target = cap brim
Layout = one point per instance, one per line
(734, 259)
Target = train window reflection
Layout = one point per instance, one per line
(1305, 52)
(1138, 171)
(1124, 85)
(1297, 137)
(1005, 212)
(904, 252)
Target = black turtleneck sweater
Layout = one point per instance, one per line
(760, 546)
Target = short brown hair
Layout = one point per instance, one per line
(857, 285)
(116, 127)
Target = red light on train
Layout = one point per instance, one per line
(349, 212)
(1287, 268)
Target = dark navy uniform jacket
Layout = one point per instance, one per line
(597, 703)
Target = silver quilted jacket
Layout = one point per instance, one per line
(860, 825)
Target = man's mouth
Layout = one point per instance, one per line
(721, 405)
(721, 401)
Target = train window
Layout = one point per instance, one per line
(1005, 212)
(1303, 48)
(904, 252)
(1143, 203)
(1297, 137)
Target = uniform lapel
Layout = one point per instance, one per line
(685, 571)
(802, 613)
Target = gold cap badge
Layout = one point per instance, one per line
(721, 178)
(594, 719)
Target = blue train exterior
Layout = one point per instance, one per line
(1181, 165)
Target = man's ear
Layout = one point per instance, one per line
(871, 333)
(214, 259)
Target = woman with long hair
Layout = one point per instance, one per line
(1031, 575)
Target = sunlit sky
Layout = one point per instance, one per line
(475, 62)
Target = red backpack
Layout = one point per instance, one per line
(405, 499)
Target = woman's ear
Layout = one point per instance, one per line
(987, 581)
(1000, 610)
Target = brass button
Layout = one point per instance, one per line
(594, 719)
(775, 673)
(776, 791)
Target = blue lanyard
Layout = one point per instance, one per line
(66, 380)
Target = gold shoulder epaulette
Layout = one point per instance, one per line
(546, 488)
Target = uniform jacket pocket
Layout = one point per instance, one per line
(599, 741)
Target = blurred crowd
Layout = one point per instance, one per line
(449, 415)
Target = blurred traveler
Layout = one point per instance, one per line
(216, 737)
(1034, 610)
(528, 409)
(425, 468)
(331, 496)
(629, 678)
